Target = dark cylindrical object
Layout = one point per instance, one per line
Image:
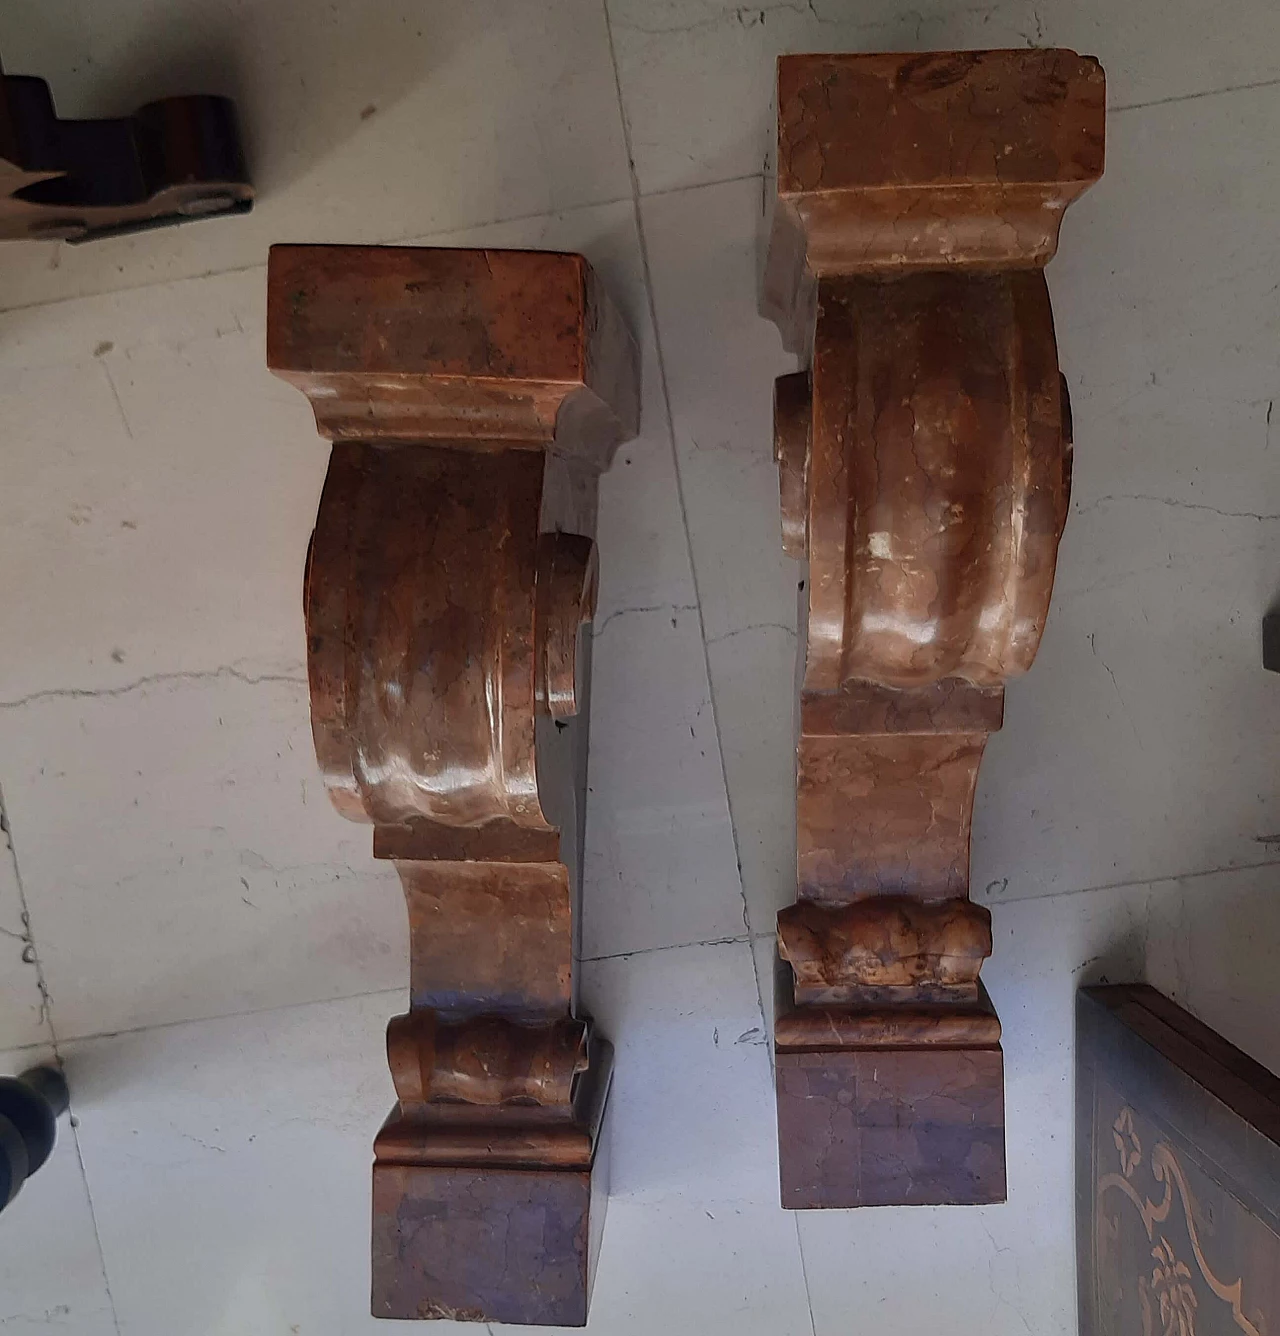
(29, 1109)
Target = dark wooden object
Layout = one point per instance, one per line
(1178, 1173)
(473, 397)
(924, 459)
(172, 161)
(1271, 642)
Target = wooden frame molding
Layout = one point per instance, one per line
(473, 398)
(924, 460)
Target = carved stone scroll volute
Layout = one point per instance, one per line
(473, 397)
(924, 458)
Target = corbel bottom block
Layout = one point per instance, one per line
(509, 1231)
(436, 1231)
(891, 1127)
(488, 1205)
(890, 1123)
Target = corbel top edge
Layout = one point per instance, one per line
(958, 119)
(417, 313)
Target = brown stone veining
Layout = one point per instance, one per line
(924, 461)
(939, 562)
(473, 398)
(938, 160)
(483, 1060)
(885, 941)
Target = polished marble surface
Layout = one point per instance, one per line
(216, 954)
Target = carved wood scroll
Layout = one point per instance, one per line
(924, 459)
(473, 397)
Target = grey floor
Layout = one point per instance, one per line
(213, 952)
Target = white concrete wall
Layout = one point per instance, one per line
(214, 953)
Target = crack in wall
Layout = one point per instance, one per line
(669, 421)
(1175, 504)
(598, 631)
(152, 679)
(32, 957)
(754, 626)
(674, 946)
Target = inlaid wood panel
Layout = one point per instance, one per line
(1178, 1173)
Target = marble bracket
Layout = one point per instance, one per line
(924, 458)
(472, 397)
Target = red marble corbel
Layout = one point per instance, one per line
(473, 398)
(925, 461)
